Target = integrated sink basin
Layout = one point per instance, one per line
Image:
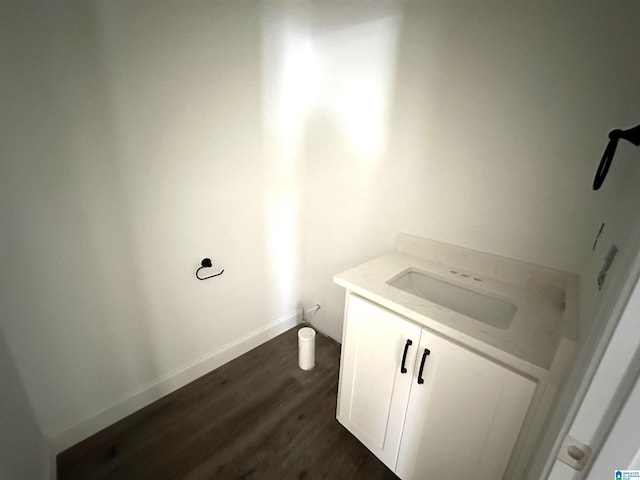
(478, 306)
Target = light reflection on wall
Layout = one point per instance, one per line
(288, 90)
(356, 67)
(332, 58)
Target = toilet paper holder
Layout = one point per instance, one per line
(206, 263)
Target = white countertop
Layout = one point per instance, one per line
(544, 299)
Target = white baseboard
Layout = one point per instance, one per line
(163, 386)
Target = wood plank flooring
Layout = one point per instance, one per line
(257, 417)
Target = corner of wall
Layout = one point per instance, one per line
(49, 470)
(124, 406)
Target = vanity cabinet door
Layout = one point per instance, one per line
(464, 419)
(373, 391)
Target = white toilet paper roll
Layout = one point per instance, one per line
(306, 348)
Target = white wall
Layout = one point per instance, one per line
(617, 208)
(495, 117)
(22, 447)
(132, 148)
(286, 141)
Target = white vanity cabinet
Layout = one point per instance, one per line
(373, 393)
(452, 414)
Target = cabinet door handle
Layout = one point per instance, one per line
(403, 369)
(425, 354)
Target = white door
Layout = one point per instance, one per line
(463, 421)
(373, 390)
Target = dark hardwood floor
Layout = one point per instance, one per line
(257, 417)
